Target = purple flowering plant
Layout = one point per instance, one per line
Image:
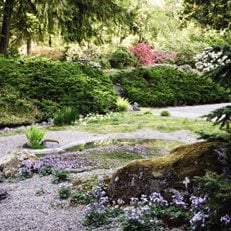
(99, 212)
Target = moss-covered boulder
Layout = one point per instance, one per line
(159, 174)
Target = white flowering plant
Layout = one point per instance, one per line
(215, 63)
(213, 58)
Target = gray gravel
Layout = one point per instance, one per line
(192, 111)
(72, 138)
(24, 210)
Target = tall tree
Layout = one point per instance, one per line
(75, 18)
(7, 6)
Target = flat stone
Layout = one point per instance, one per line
(3, 194)
(51, 144)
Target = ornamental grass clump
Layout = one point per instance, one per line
(122, 104)
(35, 136)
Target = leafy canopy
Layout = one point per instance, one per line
(215, 13)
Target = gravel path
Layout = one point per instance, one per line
(71, 138)
(191, 111)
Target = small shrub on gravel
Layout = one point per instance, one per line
(60, 176)
(165, 113)
(167, 86)
(81, 197)
(64, 192)
(45, 171)
(41, 191)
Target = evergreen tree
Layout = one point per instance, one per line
(216, 14)
(76, 19)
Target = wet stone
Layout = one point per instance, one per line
(51, 144)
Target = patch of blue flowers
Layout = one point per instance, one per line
(161, 211)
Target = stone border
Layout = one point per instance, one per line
(181, 136)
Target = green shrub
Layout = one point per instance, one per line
(217, 188)
(45, 86)
(60, 176)
(66, 117)
(121, 58)
(167, 86)
(45, 171)
(122, 104)
(165, 113)
(64, 192)
(35, 136)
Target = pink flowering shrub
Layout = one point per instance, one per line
(146, 56)
(161, 57)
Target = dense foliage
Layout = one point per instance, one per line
(121, 58)
(38, 88)
(215, 13)
(165, 85)
(75, 20)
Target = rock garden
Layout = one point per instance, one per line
(115, 115)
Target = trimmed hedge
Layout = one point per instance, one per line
(35, 89)
(168, 86)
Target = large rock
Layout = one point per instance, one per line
(11, 163)
(159, 174)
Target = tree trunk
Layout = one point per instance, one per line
(28, 46)
(50, 41)
(5, 33)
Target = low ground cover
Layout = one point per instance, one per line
(132, 121)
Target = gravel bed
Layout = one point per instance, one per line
(23, 210)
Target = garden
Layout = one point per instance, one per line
(115, 116)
